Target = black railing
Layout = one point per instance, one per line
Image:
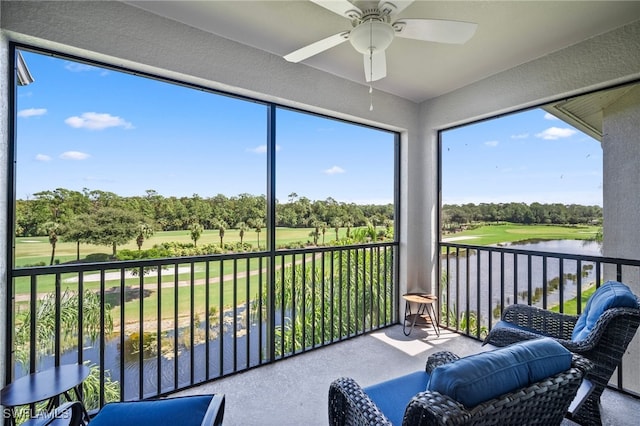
(152, 327)
(478, 282)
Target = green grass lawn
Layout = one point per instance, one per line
(508, 233)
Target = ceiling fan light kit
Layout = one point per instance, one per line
(372, 36)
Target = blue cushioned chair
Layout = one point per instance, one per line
(601, 334)
(196, 410)
(528, 383)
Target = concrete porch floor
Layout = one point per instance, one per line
(294, 391)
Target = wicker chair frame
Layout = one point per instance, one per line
(542, 403)
(604, 346)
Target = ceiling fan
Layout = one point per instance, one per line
(375, 28)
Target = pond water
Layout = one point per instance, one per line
(519, 277)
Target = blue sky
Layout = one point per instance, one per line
(527, 157)
(87, 127)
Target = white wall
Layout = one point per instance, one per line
(621, 200)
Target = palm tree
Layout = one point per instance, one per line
(221, 228)
(52, 229)
(258, 224)
(242, 227)
(144, 231)
(337, 223)
(196, 231)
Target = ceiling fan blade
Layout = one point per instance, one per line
(341, 7)
(438, 30)
(393, 7)
(375, 66)
(317, 47)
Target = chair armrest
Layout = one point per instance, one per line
(541, 321)
(433, 408)
(350, 405)
(439, 358)
(215, 413)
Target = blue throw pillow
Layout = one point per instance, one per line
(186, 411)
(611, 294)
(487, 375)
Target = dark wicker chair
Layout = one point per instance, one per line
(604, 346)
(542, 403)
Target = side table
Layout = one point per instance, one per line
(425, 313)
(46, 385)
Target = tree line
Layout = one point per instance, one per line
(456, 216)
(105, 218)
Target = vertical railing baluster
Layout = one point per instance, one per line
(478, 296)
(322, 297)
(294, 314)
(282, 306)
(80, 342)
(247, 311)
(332, 296)
(33, 336)
(579, 286)
(341, 288)
(103, 339)
(192, 310)
(313, 300)
(303, 288)
(544, 281)
(529, 281)
(141, 333)
(159, 329)
(122, 334)
(467, 283)
(458, 314)
(348, 291)
(490, 289)
(561, 283)
(235, 315)
(57, 327)
(176, 327)
(221, 320)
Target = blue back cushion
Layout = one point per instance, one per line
(487, 375)
(185, 411)
(611, 294)
(393, 396)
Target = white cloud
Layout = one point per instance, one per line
(261, 149)
(97, 121)
(548, 116)
(553, 133)
(491, 143)
(335, 170)
(32, 112)
(42, 157)
(78, 67)
(74, 155)
(520, 136)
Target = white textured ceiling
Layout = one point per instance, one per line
(509, 33)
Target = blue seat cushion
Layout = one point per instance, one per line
(612, 294)
(487, 375)
(185, 411)
(393, 396)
